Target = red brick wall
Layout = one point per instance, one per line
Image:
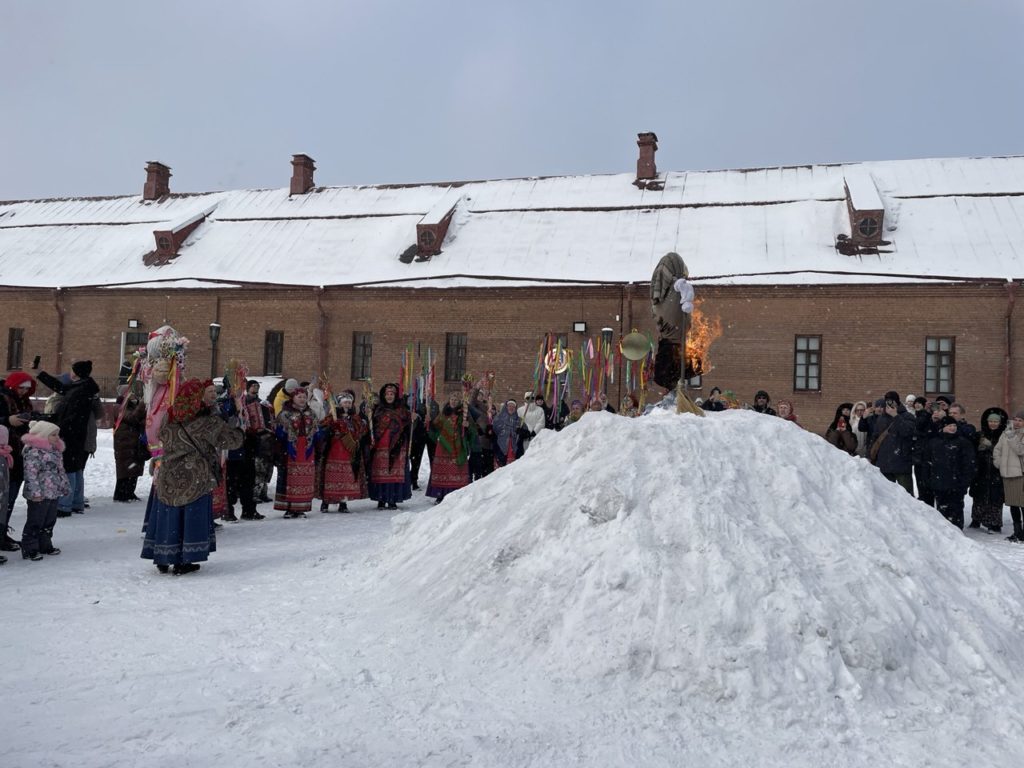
(873, 337)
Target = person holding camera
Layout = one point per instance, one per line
(892, 447)
(15, 412)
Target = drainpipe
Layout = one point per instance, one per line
(321, 331)
(1011, 299)
(58, 304)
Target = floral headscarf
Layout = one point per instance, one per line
(189, 400)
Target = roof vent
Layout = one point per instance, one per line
(302, 174)
(158, 181)
(169, 240)
(866, 213)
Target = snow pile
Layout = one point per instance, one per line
(733, 561)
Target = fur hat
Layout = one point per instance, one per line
(346, 394)
(43, 428)
(291, 385)
(82, 368)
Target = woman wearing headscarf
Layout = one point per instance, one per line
(390, 480)
(506, 434)
(449, 469)
(787, 412)
(987, 488)
(180, 532)
(298, 431)
(839, 433)
(343, 474)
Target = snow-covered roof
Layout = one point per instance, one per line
(960, 218)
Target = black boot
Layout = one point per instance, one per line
(7, 544)
(343, 507)
(380, 505)
(1018, 528)
(163, 568)
(325, 507)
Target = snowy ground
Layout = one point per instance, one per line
(777, 605)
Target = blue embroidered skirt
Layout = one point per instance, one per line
(180, 534)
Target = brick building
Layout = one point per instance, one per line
(832, 282)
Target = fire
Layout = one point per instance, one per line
(703, 333)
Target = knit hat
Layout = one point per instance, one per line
(290, 386)
(761, 393)
(82, 368)
(893, 395)
(943, 399)
(880, 402)
(43, 428)
(947, 420)
(1019, 414)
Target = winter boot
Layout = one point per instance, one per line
(325, 507)
(229, 516)
(343, 507)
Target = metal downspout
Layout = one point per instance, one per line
(321, 331)
(58, 304)
(1011, 300)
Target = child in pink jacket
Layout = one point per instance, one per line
(45, 482)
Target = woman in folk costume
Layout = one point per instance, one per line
(162, 370)
(298, 431)
(181, 531)
(506, 434)
(449, 469)
(343, 474)
(390, 481)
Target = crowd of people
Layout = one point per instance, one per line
(930, 449)
(213, 450)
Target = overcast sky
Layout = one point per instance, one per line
(382, 91)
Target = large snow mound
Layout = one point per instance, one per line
(729, 559)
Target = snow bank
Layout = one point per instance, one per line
(732, 560)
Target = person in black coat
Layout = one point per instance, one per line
(951, 467)
(927, 423)
(891, 439)
(72, 417)
(987, 488)
(714, 401)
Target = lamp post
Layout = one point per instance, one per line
(214, 335)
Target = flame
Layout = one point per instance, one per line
(703, 333)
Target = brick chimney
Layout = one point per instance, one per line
(645, 167)
(158, 181)
(302, 174)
